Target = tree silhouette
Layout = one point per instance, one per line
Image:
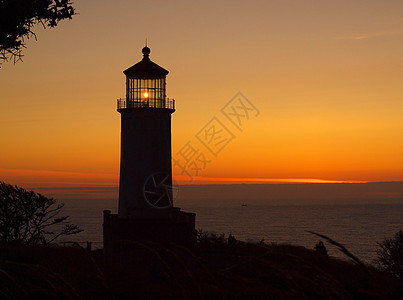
(32, 218)
(390, 255)
(17, 17)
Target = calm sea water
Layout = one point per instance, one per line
(358, 227)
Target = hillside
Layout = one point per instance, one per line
(211, 269)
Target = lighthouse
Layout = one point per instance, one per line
(145, 187)
(146, 211)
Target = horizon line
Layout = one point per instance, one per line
(60, 179)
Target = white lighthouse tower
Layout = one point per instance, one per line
(146, 211)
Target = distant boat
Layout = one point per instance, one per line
(243, 204)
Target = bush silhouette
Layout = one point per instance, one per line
(390, 255)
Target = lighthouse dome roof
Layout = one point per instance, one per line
(146, 68)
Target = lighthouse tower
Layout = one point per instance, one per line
(146, 211)
(145, 189)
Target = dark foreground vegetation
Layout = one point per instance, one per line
(31, 267)
(212, 269)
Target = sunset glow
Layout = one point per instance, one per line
(211, 180)
(35, 179)
(323, 81)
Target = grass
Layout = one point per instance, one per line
(212, 269)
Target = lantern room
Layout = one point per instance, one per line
(145, 85)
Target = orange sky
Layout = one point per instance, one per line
(326, 78)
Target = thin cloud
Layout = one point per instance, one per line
(45, 178)
(213, 180)
(372, 35)
(361, 37)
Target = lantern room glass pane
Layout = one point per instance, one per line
(146, 92)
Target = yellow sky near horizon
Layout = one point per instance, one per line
(326, 78)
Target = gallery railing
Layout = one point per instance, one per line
(149, 103)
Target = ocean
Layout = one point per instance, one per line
(357, 226)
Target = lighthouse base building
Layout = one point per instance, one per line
(146, 213)
(178, 229)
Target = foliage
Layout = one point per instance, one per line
(170, 271)
(390, 255)
(17, 18)
(50, 272)
(210, 239)
(32, 218)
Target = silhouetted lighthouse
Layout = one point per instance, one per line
(146, 211)
(145, 188)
